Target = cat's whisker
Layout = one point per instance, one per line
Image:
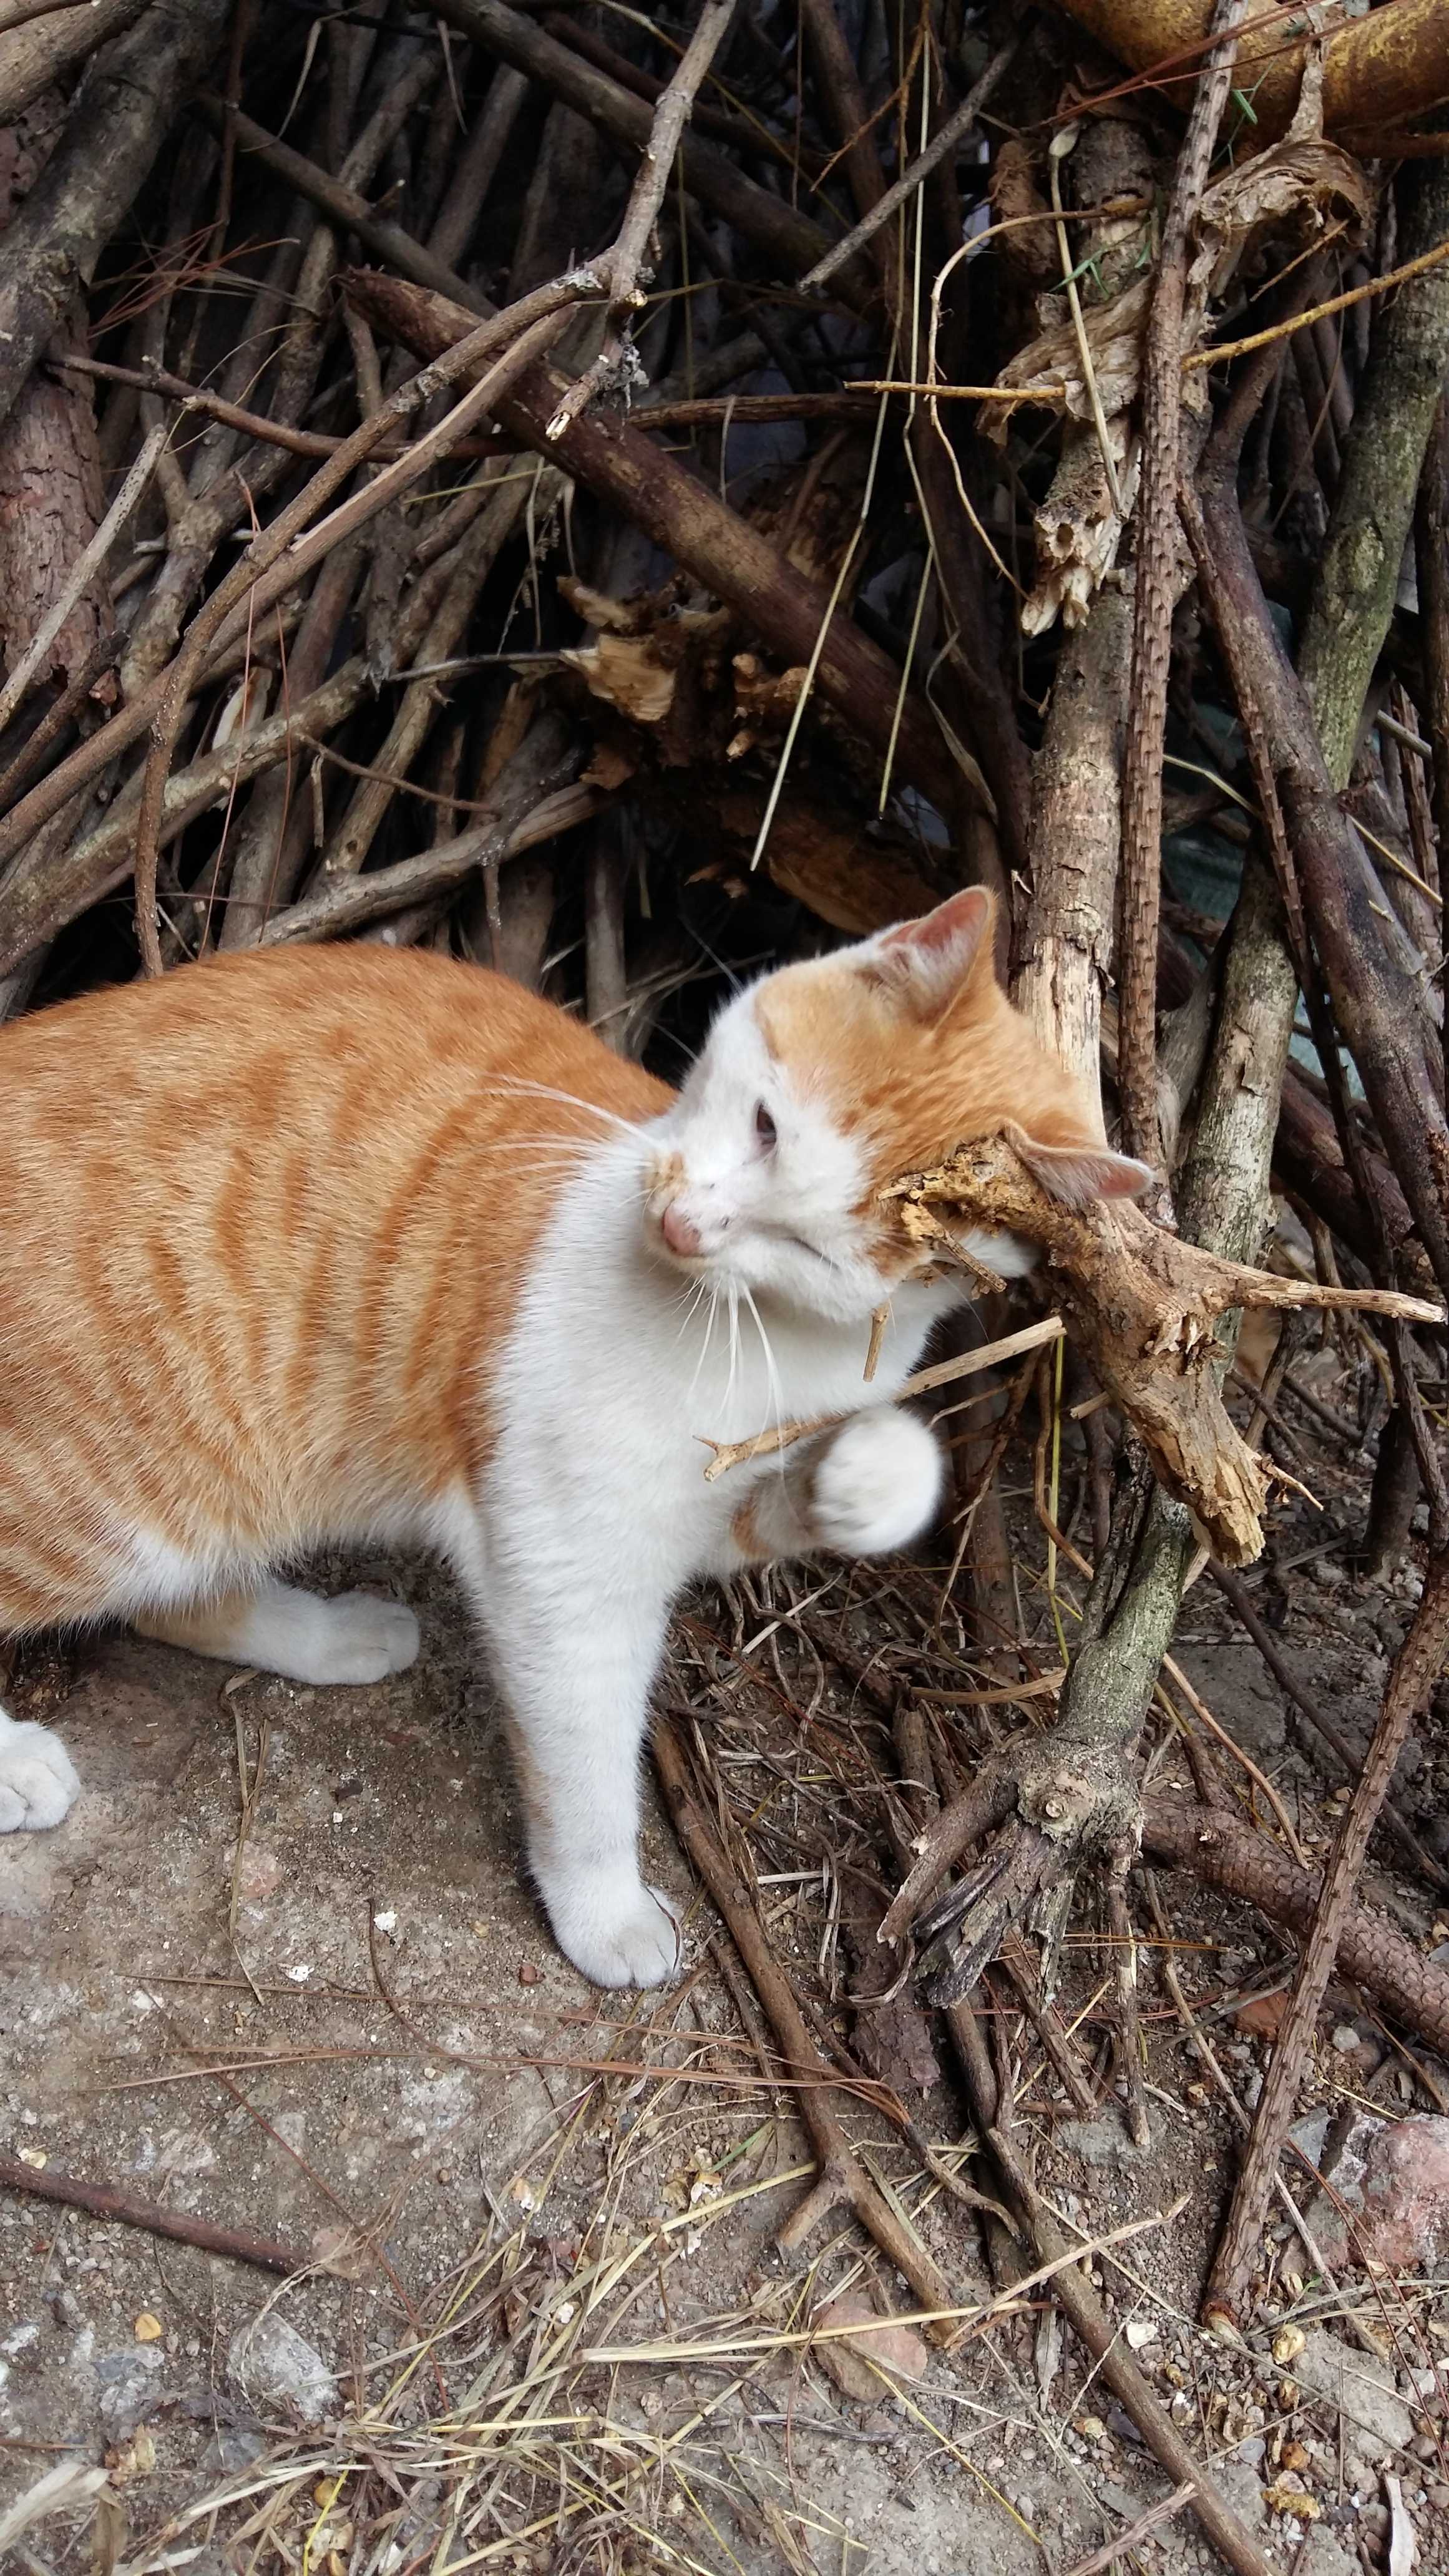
(713, 1297)
(690, 1304)
(570, 1100)
(734, 1306)
(773, 1395)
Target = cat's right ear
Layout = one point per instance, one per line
(926, 963)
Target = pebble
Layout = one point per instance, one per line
(274, 2365)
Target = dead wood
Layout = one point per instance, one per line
(41, 55)
(723, 552)
(1378, 70)
(767, 221)
(1142, 1304)
(127, 101)
(842, 2181)
(236, 2244)
(1418, 1663)
(1156, 590)
(1222, 1847)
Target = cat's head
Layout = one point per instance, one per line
(824, 1082)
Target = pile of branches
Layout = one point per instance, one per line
(625, 496)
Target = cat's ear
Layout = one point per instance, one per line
(1078, 1174)
(928, 962)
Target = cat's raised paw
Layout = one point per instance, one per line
(37, 1777)
(617, 1931)
(877, 1486)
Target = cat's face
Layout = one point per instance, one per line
(826, 1081)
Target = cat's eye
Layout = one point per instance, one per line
(764, 1128)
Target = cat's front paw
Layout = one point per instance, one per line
(616, 1930)
(877, 1486)
(37, 1777)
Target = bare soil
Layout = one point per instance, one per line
(446, 2087)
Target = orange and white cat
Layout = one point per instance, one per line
(348, 1244)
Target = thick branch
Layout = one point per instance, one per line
(730, 557)
(1157, 557)
(126, 103)
(1358, 575)
(1222, 1847)
(1141, 1302)
(1377, 69)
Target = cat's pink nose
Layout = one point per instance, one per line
(680, 1232)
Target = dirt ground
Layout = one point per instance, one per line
(484, 2152)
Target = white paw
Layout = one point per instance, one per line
(355, 1637)
(37, 1777)
(878, 1484)
(616, 1930)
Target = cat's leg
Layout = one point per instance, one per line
(37, 1776)
(575, 1664)
(355, 1637)
(865, 1489)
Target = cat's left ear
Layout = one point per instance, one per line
(1078, 1174)
(928, 962)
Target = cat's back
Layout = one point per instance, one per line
(285, 1187)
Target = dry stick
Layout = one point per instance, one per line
(1418, 1663)
(31, 755)
(346, 209)
(629, 257)
(1124, 2542)
(947, 136)
(1140, 884)
(509, 830)
(734, 1453)
(252, 424)
(842, 2181)
(1232, 1855)
(1102, 2336)
(277, 540)
(1431, 551)
(769, 222)
(472, 343)
(237, 2243)
(730, 557)
(82, 572)
(1235, 1591)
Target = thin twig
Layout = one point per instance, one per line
(522, 332)
(627, 262)
(1157, 548)
(1419, 1661)
(238, 2244)
(734, 1453)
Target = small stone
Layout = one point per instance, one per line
(273, 2365)
(1362, 2388)
(1105, 2142)
(1140, 2331)
(528, 1973)
(866, 2366)
(1345, 2039)
(33, 2157)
